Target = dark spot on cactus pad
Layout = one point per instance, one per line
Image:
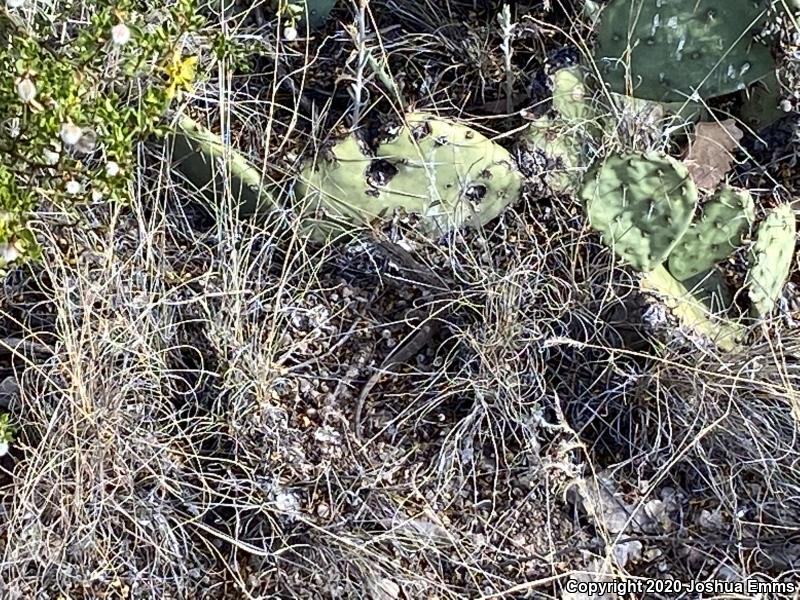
(421, 130)
(440, 140)
(695, 55)
(565, 56)
(469, 134)
(475, 192)
(486, 174)
(372, 192)
(380, 172)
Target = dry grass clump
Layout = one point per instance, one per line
(190, 387)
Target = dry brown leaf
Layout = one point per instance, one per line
(709, 158)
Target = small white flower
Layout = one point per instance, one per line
(8, 253)
(289, 34)
(112, 169)
(73, 187)
(26, 89)
(70, 134)
(120, 34)
(14, 3)
(50, 157)
(3, 448)
(97, 195)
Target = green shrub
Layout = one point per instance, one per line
(77, 96)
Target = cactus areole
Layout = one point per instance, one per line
(673, 50)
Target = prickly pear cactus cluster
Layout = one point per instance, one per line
(672, 50)
(645, 206)
(446, 173)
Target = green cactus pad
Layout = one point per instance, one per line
(318, 11)
(715, 235)
(446, 173)
(666, 50)
(642, 204)
(691, 311)
(771, 259)
(574, 105)
(213, 168)
(761, 106)
(562, 150)
(570, 95)
(712, 290)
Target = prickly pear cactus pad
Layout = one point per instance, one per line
(666, 50)
(561, 151)
(771, 259)
(213, 169)
(691, 311)
(446, 173)
(642, 204)
(317, 12)
(570, 96)
(715, 235)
